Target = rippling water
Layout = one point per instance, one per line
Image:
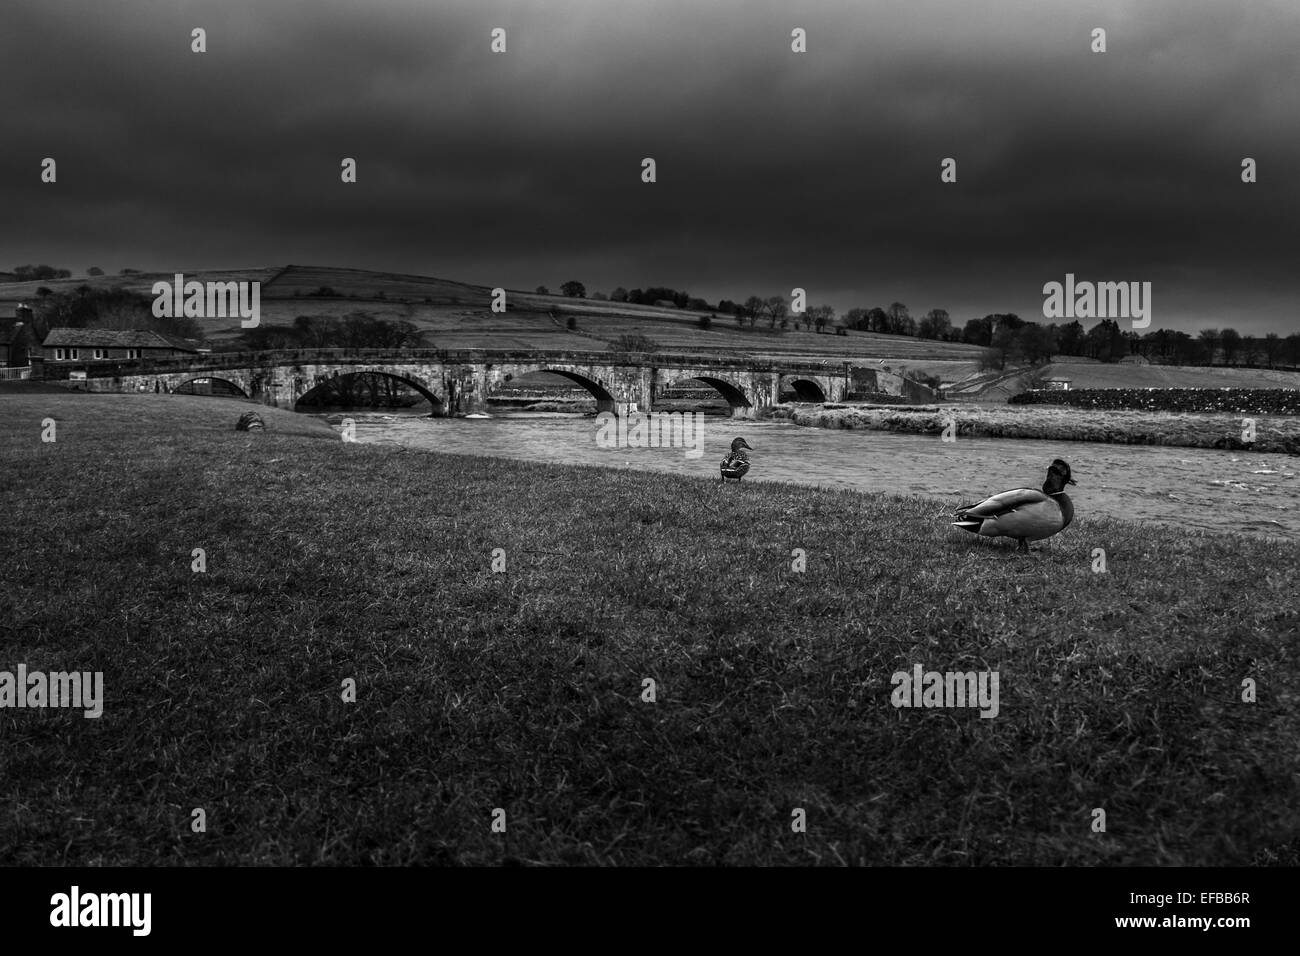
(1256, 494)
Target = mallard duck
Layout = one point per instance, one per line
(1023, 513)
(736, 464)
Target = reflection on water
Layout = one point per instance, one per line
(1200, 488)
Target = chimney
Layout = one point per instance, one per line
(37, 324)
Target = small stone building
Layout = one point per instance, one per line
(113, 345)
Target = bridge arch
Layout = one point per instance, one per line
(806, 390)
(734, 394)
(328, 382)
(605, 401)
(207, 385)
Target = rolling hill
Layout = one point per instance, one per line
(457, 315)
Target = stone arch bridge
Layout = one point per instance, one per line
(460, 382)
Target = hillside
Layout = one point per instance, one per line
(458, 315)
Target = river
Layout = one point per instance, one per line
(1255, 494)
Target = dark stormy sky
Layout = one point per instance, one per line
(775, 169)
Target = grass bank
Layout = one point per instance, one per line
(1273, 433)
(523, 690)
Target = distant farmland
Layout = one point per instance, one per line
(456, 315)
(1098, 375)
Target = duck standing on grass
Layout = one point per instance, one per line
(736, 464)
(1023, 513)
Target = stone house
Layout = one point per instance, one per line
(114, 345)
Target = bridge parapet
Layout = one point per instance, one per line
(458, 381)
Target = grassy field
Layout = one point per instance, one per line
(1101, 375)
(1273, 433)
(522, 690)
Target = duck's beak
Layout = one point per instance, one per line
(745, 444)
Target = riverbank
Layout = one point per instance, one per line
(524, 690)
(1187, 430)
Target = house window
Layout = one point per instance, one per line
(60, 355)
(133, 353)
(101, 353)
(74, 353)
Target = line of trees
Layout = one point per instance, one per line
(1008, 339)
(29, 273)
(41, 273)
(898, 320)
(1005, 337)
(356, 330)
(654, 294)
(86, 307)
(775, 310)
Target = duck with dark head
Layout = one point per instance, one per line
(736, 465)
(1023, 513)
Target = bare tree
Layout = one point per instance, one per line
(1210, 339)
(823, 315)
(1272, 348)
(936, 325)
(776, 308)
(1230, 340)
(898, 317)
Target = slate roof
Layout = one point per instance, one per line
(113, 339)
